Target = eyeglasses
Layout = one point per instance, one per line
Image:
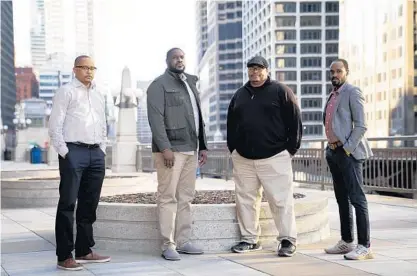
(253, 69)
(86, 68)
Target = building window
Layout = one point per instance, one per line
(332, 34)
(313, 130)
(311, 62)
(286, 62)
(285, 49)
(332, 20)
(285, 21)
(400, 10)
(285, 7)
(400, 31)
(310, 7)
(312, 116)
(332, 6)
(311, 89)
(285, 35)
(311, 48)
(311, 75)
(293, 88)
(332, 48)
(310, 35)
(329, 61)
(310, 21)
(311, 103)
(286, 75)
(329, 88)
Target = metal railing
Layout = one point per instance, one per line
(392, 168)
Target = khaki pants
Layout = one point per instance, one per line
(176, 187)
(273, 174)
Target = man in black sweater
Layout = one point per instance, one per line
(264, 131)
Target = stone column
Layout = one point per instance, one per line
(125, 146)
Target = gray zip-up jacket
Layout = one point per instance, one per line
(170, 114)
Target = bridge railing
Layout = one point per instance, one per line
(392, 168)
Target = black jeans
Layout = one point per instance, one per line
(348, 188)
(82, 172)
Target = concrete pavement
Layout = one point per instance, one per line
(28, 245)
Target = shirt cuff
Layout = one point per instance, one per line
(103, 148)
(63, 151)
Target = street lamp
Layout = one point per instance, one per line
(22, 123)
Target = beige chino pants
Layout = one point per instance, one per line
(275, 176)
(176, 187)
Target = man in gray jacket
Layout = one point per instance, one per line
(344, 121)
(178, 138)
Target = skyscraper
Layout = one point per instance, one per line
(300, 40)
(8, 79)
(220, 60)
(61, 27)
(379, 39)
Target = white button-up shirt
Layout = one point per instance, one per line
(78, 115)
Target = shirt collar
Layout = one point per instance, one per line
(183, 77)
(77, 83)
(337, 91)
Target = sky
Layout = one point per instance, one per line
(129, 33)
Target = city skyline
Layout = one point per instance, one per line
(124, 36)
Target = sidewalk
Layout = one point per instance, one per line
(27, 244)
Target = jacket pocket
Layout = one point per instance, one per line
(177, 136)
(173, 97)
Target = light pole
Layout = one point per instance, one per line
(22, 123)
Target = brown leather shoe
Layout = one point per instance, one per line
(92, 258)
(69, 264)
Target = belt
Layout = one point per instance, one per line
(84, 145)
(335, 145)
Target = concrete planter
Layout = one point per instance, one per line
(29, 193)
(43, 191)
(134, 227)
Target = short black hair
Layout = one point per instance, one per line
(172, 50)
(79, 58)
(344, 61)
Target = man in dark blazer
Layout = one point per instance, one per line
(344, 121)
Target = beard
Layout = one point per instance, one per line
(336, 82)
(176, 70)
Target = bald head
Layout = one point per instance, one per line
(78, 59)
(84, 69)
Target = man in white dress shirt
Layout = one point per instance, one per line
(77, 129)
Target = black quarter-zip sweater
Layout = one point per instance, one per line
(264, 121)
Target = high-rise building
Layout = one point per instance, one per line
(220, 60)
(37, 33)
(8, 79)
(143, 129)
(61, 27)
(201, 23)
(27, 85)
(300, 40)
(49, 81)
(379, 40)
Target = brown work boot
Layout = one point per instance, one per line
(69, 264)
(92, 258)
